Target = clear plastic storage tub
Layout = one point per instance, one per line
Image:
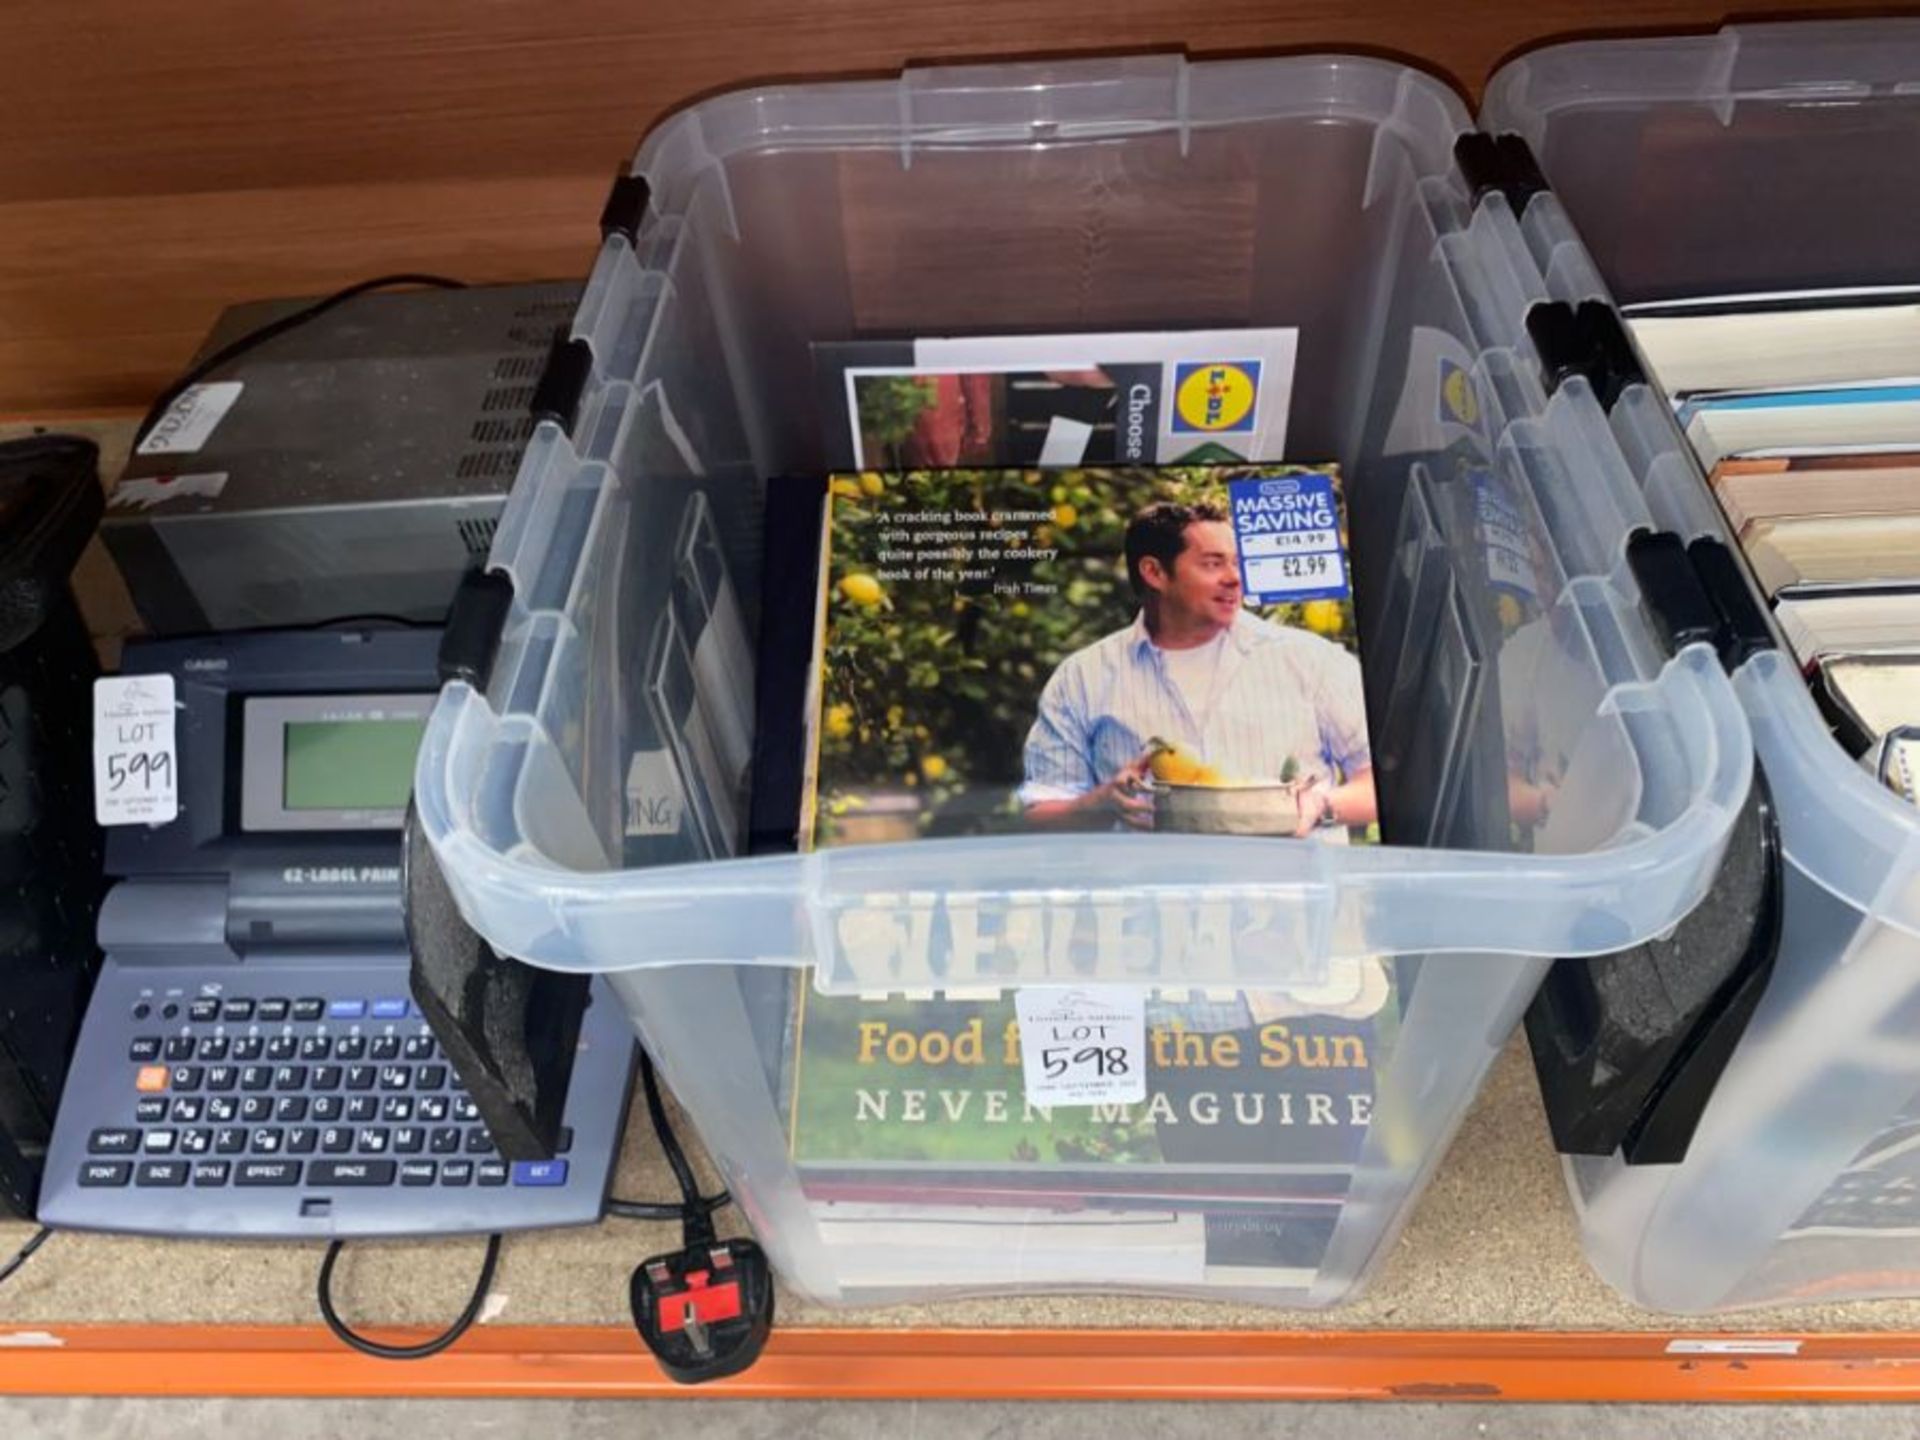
(1139, 193)
(1765, 158)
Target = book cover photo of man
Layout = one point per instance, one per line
(1229, 696)
(1011, 651)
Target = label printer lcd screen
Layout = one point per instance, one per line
(357, 764)
(329, 762)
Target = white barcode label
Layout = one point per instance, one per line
(189, 422)
(1083, 1045)
(136, 777)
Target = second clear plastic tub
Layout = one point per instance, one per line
(1142, 193)
(1763, 158)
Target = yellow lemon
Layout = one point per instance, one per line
(1019, 610)
(1456, 393)
(1176, 765)
(895, 714)
(862, 590)
(845, 487)
(1323, 617)
(933, 766)
(872, 483)
(1064, 515)
(839, 721)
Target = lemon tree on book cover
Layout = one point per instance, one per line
(1089, 650)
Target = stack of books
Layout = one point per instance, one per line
(1805, 410)
(1074, 651)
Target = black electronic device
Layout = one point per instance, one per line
(344, 459)
(50, 848)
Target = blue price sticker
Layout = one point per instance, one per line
(1502, 521)
(1287, 528)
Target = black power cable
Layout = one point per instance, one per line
(379, 1351)
(696, 1213)
(693, 1203)
(24, 1254)
(664, 1210)
(234, 349)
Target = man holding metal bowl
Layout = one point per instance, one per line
(1200, 715)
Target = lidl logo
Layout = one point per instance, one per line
(1459, 403)
(1218, 398)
